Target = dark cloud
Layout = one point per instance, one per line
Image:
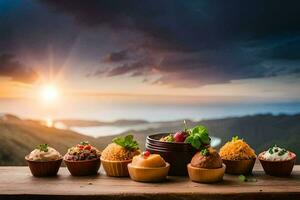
(10, 67)
(193, 43)
(116, 56)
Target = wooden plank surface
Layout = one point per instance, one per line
(17, 183)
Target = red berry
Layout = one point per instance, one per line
(146, 153)
(180, 136)
(88, 147)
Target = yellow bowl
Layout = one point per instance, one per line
(148, 174)
(116, 168)
(203, 175)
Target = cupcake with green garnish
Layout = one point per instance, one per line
(44, 161)
(277, 161)
(206, 166)
(83, 159)
(117, 155)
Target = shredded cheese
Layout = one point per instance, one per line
(237, 150)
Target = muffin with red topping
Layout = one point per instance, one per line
(83, 159)
(148, 167)
(44, 161)
(117, 155)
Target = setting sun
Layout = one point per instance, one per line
(49, 93)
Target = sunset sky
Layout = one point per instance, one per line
(243, 50)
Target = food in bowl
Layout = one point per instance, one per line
(117, 155)
(198, 136)
(148, 167)
(206, 166)
(83, 159)
(179, 154)
(44, 161)
(179, 136)
(238, 156)
(277, 161)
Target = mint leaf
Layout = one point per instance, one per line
(43, 147)
(198, 137)
(204, 152)
(127, 142)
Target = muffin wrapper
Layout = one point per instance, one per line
(117, 169)
(279, 168)
(239, 166)
(41, 169)
(83, 168)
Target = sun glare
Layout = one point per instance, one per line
(49, 93)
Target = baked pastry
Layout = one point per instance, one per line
(44, 161)
(83, 159)
(238, 156)
(206, 166)
(148, 167)
(117, 155)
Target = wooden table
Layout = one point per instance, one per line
(17, 183)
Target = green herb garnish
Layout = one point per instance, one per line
(243, 178)
(282, 152)
(271, 150)
(127, 142)
(234, 138)
(205, 152)
(198, 137)
(84, 143)
(43, 147)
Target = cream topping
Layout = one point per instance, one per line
(49, 155)
(276, 154)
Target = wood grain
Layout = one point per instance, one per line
(17, 183)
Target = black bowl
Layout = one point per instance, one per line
(175, 153)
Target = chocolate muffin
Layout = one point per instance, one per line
(207, 160)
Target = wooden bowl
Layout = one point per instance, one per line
(203, 175)
(239, 166)
(148, 174)
(116, 168)
(178, 155)
(278, 168)
(83, 167)
(43, 168)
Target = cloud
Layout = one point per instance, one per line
(116, 56)
(10, 67)
(194, 43)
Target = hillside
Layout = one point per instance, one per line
(19, 137)
(87, 123)
(260, 131)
